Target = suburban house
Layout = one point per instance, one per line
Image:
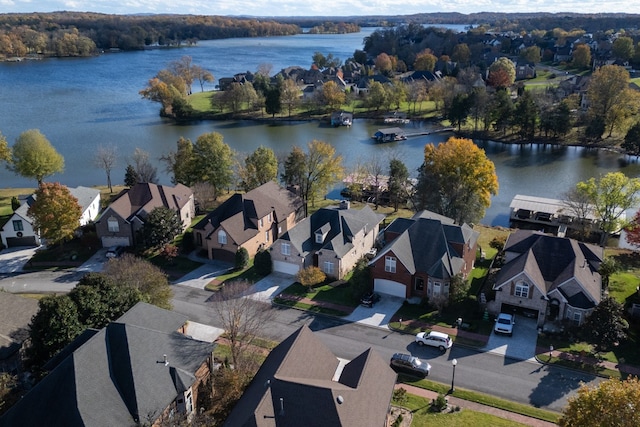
(302, 383)
(421, 254)
(19, 231)
(332, 238)
(548, 278)
(138, 370)
(121, 222)
(15, 314)
(252, 221)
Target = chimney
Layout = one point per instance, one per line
(166, 362)
(344, 204)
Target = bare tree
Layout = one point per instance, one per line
(243, 318)
(204, 194)
(376, 167)
(106, 158)
(579, 206)
(143, 167)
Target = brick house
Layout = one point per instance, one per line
(548, 278)
(421, 254)
(120, 223)
(332, 238)
(138, 370)
(252, 221)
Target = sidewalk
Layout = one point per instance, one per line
(465, 404)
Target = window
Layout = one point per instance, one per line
(328, 267)
(577, 316)
(318, 237)
(419, 285)
(522, 290)
(199, 239)
(269, 217)
(114, 227)
(446, 289)
(17, 225)
(261, 222)
(285, 249)
(390, 264)
(266, 236)
(436, 288)
(222, 237)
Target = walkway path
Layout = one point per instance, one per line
(465, 404)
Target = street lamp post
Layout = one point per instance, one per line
(550, 353)
(454, 362)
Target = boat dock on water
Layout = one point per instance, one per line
(398, 134)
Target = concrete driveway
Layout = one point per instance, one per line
(201, 276)
(269, 287)
(520, 346)
(12, 260)
(95, 263)
(380, 314)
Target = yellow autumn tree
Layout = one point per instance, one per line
(610, 403)
(457, 180)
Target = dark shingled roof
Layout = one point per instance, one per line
(340, 226)
(296, 387)
(426, 244)
(240, 213)
(15, 315)
(116, 378)
(551, 262)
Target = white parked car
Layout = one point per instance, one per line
(504, 324)
(434, 339)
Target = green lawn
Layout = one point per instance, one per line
(483, 398)
(341, 295)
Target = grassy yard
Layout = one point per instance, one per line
(422, 416)
(484, 399)
(341, 295)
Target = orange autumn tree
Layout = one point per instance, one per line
(457, 180)
(55, 212)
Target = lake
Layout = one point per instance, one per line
(80, 104)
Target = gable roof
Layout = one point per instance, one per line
(300, 384)
(240, 213)
(143, 197)
(426, 244)
(117, 377)
(551, 261)
(339, 227)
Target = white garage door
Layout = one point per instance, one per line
(285, 267)
(389, 287)
(108, 241)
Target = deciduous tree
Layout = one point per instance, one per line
(383, 64)
(581, 56)
(180, 162)
(425, 61)
(145, 171)
(611, 195)
(631, 142)
(55, 212)
(212, 161)
(106, 158)
(332, 96)
(5, 151)
(33, 156)
(243, 318)
(290, 95)
(531, 54)
(137, 273)
(502, 73)
(161, 226)
(310, 277)
(623, 48)
(605, 325)
(398, 183)
(260, 167)
(610, 403)
(457, 180)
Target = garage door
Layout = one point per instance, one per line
(14, 242)
(108, 241)
(524, 311)
(285, 267)
(389, 287)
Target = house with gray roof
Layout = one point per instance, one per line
(122, 221)
(19, 231)
(421, 254)
(302, 383)
(15, 314)
(138, 370)
(548, 278)
(253, 221)
(332, 239)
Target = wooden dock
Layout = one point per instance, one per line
(409, 135)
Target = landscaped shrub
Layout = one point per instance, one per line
(242, 259)
(310, 277)
(15, 203)
(439, 404)
(262, 263)
(188, 244)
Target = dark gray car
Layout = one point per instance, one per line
(409, 364)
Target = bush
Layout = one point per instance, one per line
(15, 203)
(242, 259)
(262, 263)
(439, 404)
(187, 244)
(310, 277)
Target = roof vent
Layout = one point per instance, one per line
(281, 407)
(340, 400)
(166, 362)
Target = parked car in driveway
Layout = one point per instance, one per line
(114, 251)
(504, 324)
(406, 363)
(434, 339)
(369, 299)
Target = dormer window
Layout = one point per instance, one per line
(222, 237)
(319, 238)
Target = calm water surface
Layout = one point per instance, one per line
(80, 104)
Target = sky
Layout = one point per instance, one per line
(266, 8)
